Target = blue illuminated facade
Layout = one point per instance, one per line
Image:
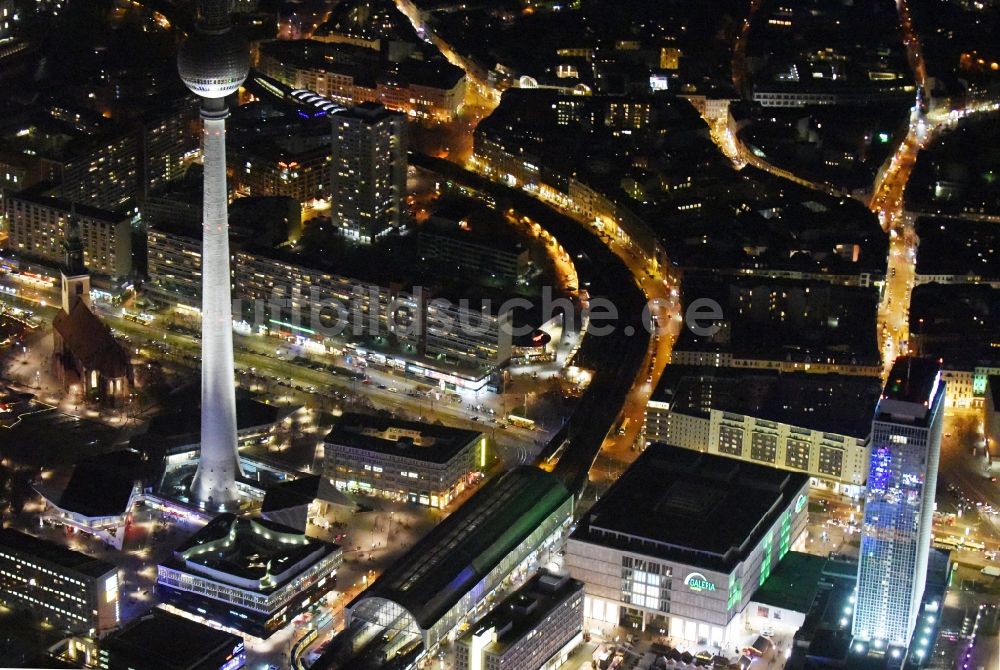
(899, 504)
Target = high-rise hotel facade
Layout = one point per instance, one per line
(899, 505)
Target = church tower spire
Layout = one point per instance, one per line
(74, 275)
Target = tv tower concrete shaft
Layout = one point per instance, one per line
(215, 481)
(213, 62)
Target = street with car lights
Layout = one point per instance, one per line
(577, 408)
(967, 517)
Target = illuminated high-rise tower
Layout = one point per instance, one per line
(213, 62)
(368, 171)
(899, 505)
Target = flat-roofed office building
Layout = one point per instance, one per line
(158, 640)
(71, 590)
(405, 460)
(253, 575)
(535, 628)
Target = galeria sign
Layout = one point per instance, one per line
(698, 582)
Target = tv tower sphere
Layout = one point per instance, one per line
(214, 63)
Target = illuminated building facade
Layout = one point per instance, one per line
(458, 333)
(688, 570)
(8, 12)
(899, 505)
(38, 225)
(423, 333)
(174, 265)
(628, 114)
(69, 589)
(249, 574)
(778, 95)
(368, 306)
(352, 75)
(368, 171)
(817, 424)
(266, 169)
(451, 244)
(404, 460)
(168, 140)
(535, 628)
(106, 175)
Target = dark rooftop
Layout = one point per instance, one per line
(368, 20)
(49, 438)
(993, 384)
(412, 439)
(102, 485)
(784, 319)
(823, 635)
(38, 194)
(912, 380)
(699, 508)
(793, 582)
(831, 403)
(164, 641)
(91, 341)
(453, 557)
(958, 323)
(958, 247)
(53, 553)
(301, 491)
(369, 112)
(472, 223)
(250, 413)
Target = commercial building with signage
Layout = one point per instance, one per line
(66, 588)
(253, 575)
(711, 532)
(405, 460)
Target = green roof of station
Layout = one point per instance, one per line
(450, 560)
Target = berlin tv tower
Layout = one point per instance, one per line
(213, 62)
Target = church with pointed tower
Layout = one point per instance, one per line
(86, 358)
